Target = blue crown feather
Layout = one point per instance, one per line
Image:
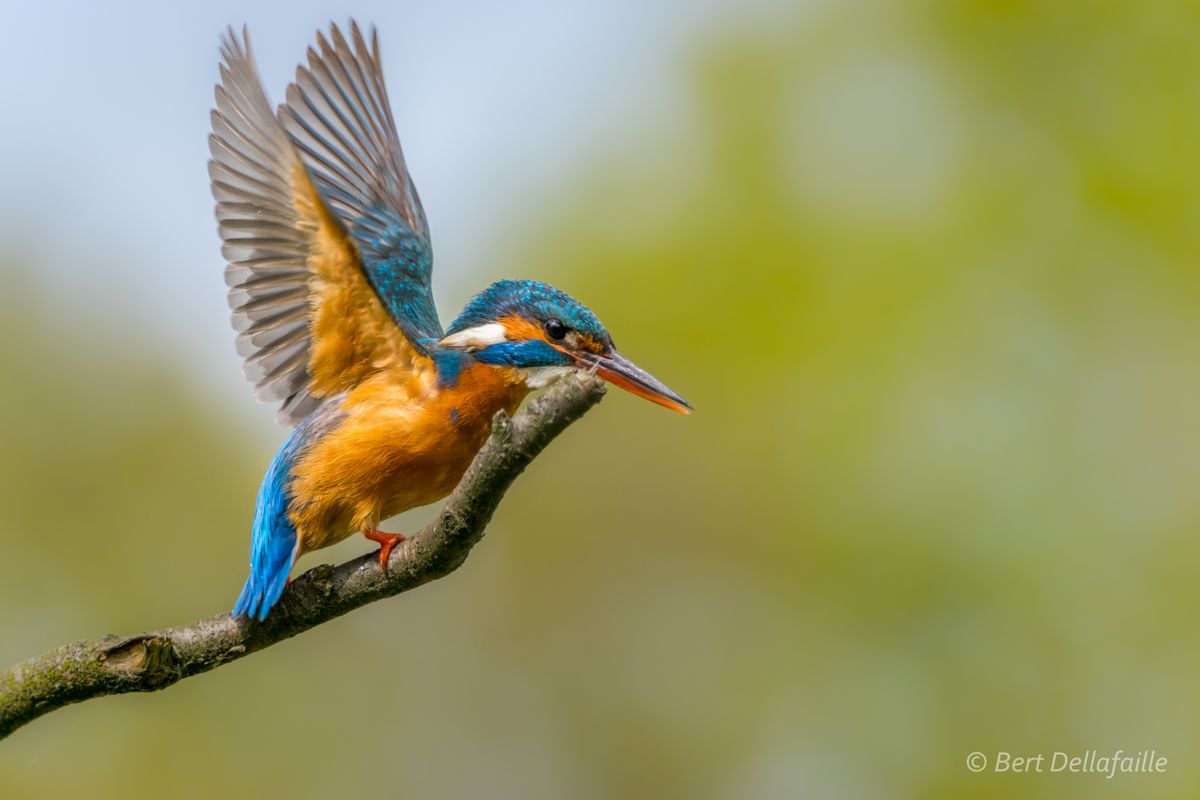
(530, 299)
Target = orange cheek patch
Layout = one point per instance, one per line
(520, 329)
(584, 341)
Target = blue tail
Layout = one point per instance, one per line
(273, 542)
(274, 539)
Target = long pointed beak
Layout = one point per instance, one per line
(620, 371)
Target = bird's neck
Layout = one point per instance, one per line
(459, 371)
(452, 363)
(471, 392)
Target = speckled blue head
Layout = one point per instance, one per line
(534, 301)
(531, 326)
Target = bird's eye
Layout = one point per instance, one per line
(555, 329)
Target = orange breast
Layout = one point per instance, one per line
(405, 442)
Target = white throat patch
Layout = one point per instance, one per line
(537, 377)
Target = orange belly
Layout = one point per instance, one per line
(401, 445)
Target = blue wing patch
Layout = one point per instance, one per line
(399, 265)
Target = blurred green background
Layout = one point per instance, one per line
(927, 271)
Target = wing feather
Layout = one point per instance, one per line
(338, 117)
(309, 323)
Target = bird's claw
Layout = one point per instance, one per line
(387, 543)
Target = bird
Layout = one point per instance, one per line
(328, 269)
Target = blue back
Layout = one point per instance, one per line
(399, 266)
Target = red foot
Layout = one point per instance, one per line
(387, 541)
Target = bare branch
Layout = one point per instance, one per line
(155, 660)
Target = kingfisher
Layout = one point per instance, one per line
(329, 265)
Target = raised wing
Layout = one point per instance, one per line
(312, 320)
(337, 114)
